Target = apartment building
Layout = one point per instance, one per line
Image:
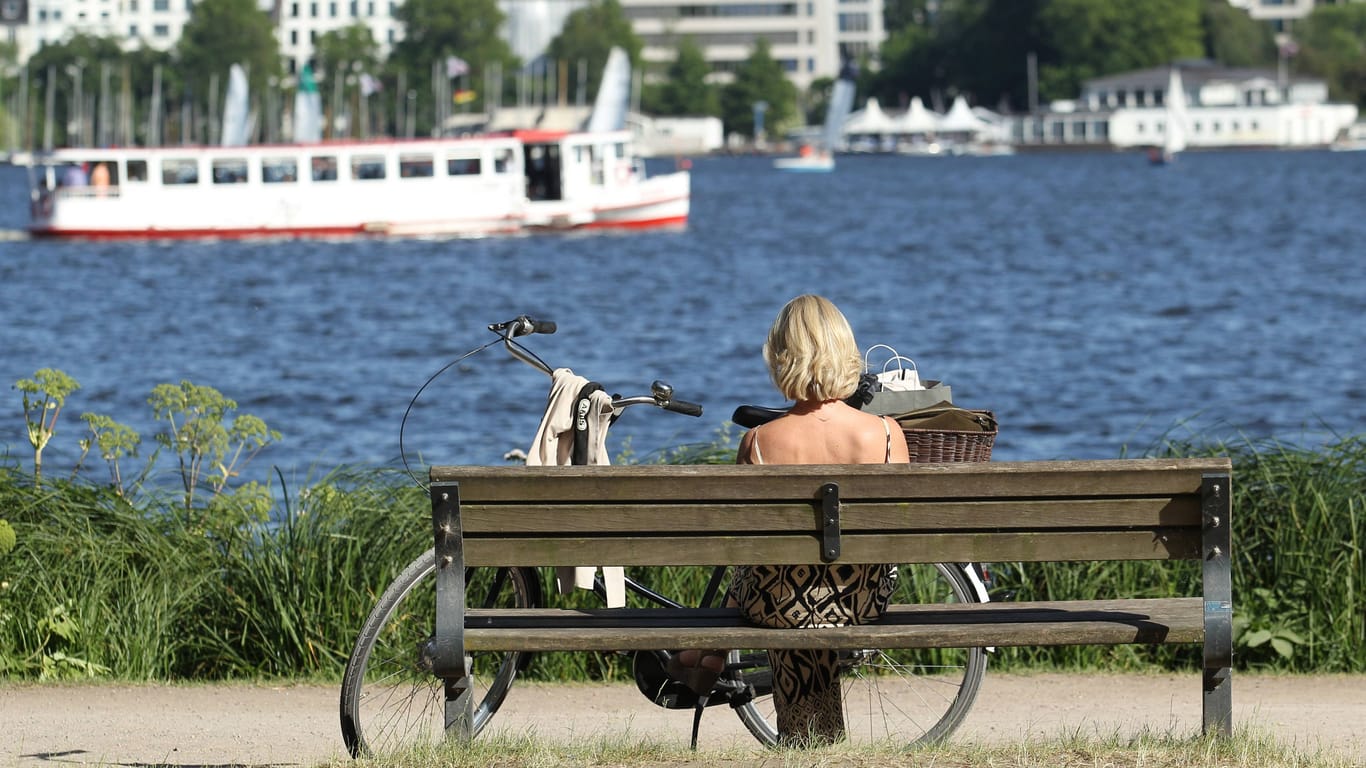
(807, 37)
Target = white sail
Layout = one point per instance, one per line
(308, 109)
(236, 122)
(1174, 138)
(841, 101)
(614, 94)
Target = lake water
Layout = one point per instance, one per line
(1093, 302)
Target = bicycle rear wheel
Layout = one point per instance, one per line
(389, 698)
(898, 696)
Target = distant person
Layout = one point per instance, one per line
(74, 176)
(99, 178)
(813, 360)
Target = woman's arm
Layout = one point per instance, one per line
(745, 453)
(901, 454)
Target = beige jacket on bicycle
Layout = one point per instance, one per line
(554, 444)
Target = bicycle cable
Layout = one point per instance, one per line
(402, 454)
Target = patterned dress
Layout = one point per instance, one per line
(806, 686)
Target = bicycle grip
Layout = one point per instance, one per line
(541, 326)
(684, 407)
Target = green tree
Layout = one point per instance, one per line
(1090, 38)
(685, 90)
(588, 36)
(71, 64)
(985, 44)
(221, 33)
(352, 47)
(760, 78)
(437, 29)
(1234, 38)
(910, 66)
(1332, 43)
(139, 71)
(899, 14)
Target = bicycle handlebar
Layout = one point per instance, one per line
(661, 394)
(522, 326)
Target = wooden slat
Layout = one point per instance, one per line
(1106, 622)
(682, 484)
(752, 548)
(583, 518)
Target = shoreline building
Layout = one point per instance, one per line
(809, 38)
(1226, 108)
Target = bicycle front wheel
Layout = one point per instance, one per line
(390, 699)
(890, 696)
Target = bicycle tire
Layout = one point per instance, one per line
(904, 696)
(390, 699)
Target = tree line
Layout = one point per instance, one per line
(934, 50)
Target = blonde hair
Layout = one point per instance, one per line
(811, 353)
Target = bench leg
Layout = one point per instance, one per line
(1217, 504)
(448, 646)
(459, 709)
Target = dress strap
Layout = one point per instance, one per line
(888, 429)
(754, 443)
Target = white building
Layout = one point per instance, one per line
(1226, 108)
(808, 37)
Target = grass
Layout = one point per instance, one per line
(1244, 750)
(133, 588)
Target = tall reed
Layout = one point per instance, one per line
(99, 580)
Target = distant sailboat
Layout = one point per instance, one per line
(614, 94)
(308, 109)
(236, 117)
(822, 158)
(1174, 136)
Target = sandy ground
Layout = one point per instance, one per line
(258, 726)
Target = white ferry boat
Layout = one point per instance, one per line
(509, 183)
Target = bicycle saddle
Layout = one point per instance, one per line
(751, 416)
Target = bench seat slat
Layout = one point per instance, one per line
(1142, 621)
(1085, 514)
(966, 480)
(795, 549)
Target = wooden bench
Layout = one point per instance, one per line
(1142, 509)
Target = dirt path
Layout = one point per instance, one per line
(239, 725)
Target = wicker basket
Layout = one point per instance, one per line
(929, 446)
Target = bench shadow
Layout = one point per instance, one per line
(70, 757)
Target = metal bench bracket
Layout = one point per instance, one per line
(830, 522)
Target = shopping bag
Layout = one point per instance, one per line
(895, 375)
(896, 388)
(891, 402)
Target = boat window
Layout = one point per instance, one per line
(620, 148)
(502, 162)
(462, 165)
(416, 166)
(365, 167)
(324, 168)
(179, 171)
(137, 170)
(229, 171)
(279, 170)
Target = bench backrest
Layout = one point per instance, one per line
(1131, 509)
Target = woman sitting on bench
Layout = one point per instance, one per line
(813, 360)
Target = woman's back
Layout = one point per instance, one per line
(824, 433)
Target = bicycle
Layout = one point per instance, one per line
(390, 698)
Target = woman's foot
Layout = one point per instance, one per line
(697, 669)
